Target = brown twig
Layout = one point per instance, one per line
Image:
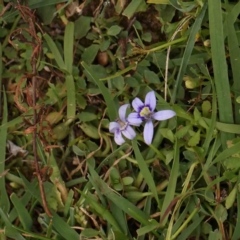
(29, 17)
(35, 116)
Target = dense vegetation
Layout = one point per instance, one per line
(119, 119)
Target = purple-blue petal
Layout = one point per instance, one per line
(163, 115)
(129, 133)
(122, 112)
(118, 138)
(113, 126)
(134, 119)
(150, 100)
(137, 104)
(148, 132)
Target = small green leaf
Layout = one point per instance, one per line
(127, 180)
(87, 116)
(196, 114)
(90, 53)
(147, 37)
(78, 151)
(238, 99)
(231, 198)
(114, 176)
(206, 108)
(221, 213)
(181, 113)
(167, 133)
(118, 82)
(206, 227)
(82, 26)
(194, 140)
(181, 132)
(132, 82)
(114, 30)
(105, 45)
(151, 77)
(80, 83)
(81, 101)
(232, 163)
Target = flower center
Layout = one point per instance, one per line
(145, 112)
(122, 124)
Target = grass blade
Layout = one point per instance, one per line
(57, 56)
(225, 127)
(220, 67)
(103, 212)
(4, 201)
(58, 223)
(71, 97)
(235, 60)
(23, 214)
(9, 230)
(32, 235)
(119, 201)
(107, 97)
(227, 153)
(189, 47)
(172, 183)
(185, 234)
(24, 201)
(212, 124)
(42, 3)
(148, 177)
(68, 46)
(131, 8)
(232, 17)
(65, 230)
(120, 217)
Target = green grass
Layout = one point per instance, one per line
(184, 185)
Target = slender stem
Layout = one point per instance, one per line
(185, 223)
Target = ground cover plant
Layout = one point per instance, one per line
(119, 119)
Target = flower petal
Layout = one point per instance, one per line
(113, 126)
(137, 104)
(150, 100)
(134, 119)
(129, 133)
(163, 115)
(118, 138)
(122, 112)
(148, 132)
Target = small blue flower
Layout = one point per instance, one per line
(145, 113)
(121, 126)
